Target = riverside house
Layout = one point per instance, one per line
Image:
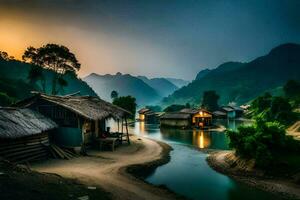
(81, 119)
(187, 118)
(148, 116)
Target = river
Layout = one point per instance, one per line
(188, 173)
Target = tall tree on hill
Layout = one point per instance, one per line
(127, 103)
(114, 94)
(56, 58)
(4, 56)
(210, 100)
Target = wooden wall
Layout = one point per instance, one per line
(25, 149)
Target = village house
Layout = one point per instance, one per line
(81, 119)
(232, 112)
(196, 118)
(148, 116)
(24, 135)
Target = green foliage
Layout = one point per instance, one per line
(261, 103)
(114, 94)
(16, 71)
(292, 89)
(127, 103)
(176, 107)
(262, 141)
(13, 90)
(154, 108)
(210, 100)
(5, 100)
(273, 109)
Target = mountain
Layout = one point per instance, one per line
(202, 73)
(178, 82)
(14, 74)
(124, 85)
(161, 85)
(241, 82)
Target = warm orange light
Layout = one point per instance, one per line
(142, 117)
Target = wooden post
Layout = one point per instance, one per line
(118, 126)
(122, 125)
(97, 129)
(127, 130)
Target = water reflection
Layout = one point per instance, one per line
(188, 173)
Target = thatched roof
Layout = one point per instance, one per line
(89, 107)
(143, 110)
(193, 111)
(17, 123)
(175, 116)
(219, 113)
(190, 110)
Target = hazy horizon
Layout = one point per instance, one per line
(173, 39)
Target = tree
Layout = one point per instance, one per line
(127, 103)
(261, 103)
(292, 89)
(210, 100)
(4, 56)
(56, 58)
(114, 94)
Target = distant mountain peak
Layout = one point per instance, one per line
(241, 82)
(285, 49)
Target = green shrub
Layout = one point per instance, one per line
(262, 141)
(5, 100)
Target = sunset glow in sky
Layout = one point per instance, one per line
(152, 38)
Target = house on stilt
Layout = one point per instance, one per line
(24, 135)
(81, 119)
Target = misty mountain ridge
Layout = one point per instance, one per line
(124, 84)
(161, 85)
(178, 82)
(241, 82)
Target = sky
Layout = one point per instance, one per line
(157, 38)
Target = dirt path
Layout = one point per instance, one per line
(226, 163)
(106, 169)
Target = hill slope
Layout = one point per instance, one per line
(241, 82)
(178, 82)
(161, 85)
(16, 74)
(124, 85)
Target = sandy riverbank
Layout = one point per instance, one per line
(111, 170)
(226, 163)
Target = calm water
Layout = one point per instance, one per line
(187, 173)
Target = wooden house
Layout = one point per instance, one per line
(219, 114)
(201, 118)
(148, 116)
(142, 112)
(81, 119)
(232, 112)
(196, 118)
(178, 120)
(24, 135)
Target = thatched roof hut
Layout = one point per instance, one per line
(92, 108)
(17, 123)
